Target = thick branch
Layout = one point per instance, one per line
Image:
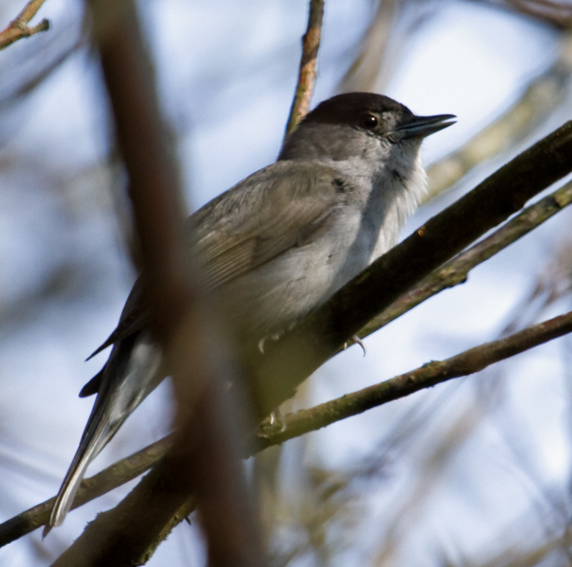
(18, 28)
(455, 271)
(204, 458)
(290, 361)
(307, 74)
(305, 421)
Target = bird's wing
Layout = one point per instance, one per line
(284, 205)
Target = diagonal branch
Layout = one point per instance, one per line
(305, 421)
(19, 29)
(289, 362)
(456, 270)
(464, 364)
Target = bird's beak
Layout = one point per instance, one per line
(422, 126)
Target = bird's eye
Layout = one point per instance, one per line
(369, 121)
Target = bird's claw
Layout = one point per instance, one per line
(356, 341)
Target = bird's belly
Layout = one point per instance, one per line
(274, 297)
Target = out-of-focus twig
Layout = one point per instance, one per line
(558, 14)
(307, 74)
(364, 71)
(18, 28)
(204, 459)
(455, 271)
(537, 102)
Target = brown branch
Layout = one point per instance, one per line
(290, 361)
(305, 421)
(91, 488)
(204, 458)
(430, 374)
(455, 271)
(19, 29)
(307, 73)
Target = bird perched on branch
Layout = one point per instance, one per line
(277, 245)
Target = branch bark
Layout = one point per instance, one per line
(19, 29)
(455, 271)
(304, 421)
(204, 458)
(307, 73)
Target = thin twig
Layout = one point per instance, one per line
(19, 29)
(468, 362)
(307, 74)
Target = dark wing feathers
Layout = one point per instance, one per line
(281, 206)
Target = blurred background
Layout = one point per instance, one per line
(475, 472)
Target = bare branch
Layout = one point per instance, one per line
(204, 458)
(455, 271)
(305, 421)
(91, 488)
(19, 29)
(290, 361)
(430, 374)
(307, 74)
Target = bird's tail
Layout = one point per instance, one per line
(130, 374)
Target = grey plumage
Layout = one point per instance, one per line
(277, 245)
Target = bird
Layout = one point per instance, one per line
(275, 246)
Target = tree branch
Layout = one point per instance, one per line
(468, 362)
(204, 458)
(307, 74)
(304, 421)
(91, 488)
(19, 29)
(288, 362)
(455, 271)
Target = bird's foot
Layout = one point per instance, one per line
(356, 341)
(271, 425)
(274, 337)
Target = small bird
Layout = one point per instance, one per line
(276, 246)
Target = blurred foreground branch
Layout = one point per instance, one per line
(19, 29)
(204, 459)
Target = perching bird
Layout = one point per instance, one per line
(277, 245)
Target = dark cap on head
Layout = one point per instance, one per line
(348, 108)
